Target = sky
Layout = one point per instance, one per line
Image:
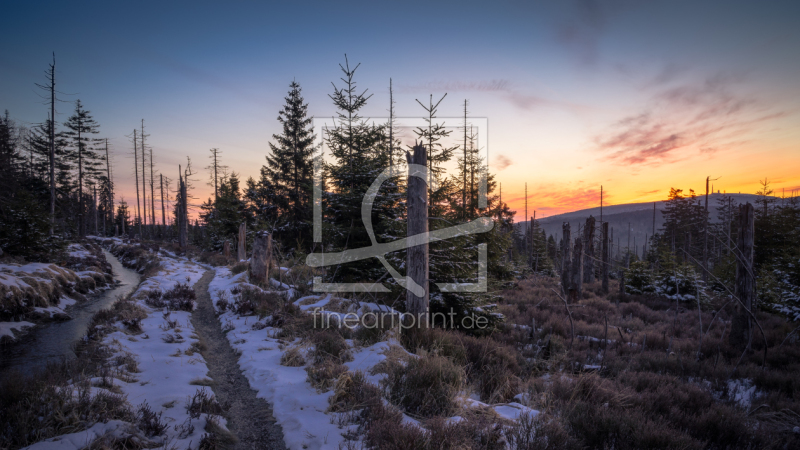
(637, 97)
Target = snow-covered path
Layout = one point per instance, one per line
(249, 417)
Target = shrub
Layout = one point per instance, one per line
(180, 298)
(330, 345)
(426, 386)
(149, 422)
(494, 367)
(352, 391)
(322, 375)
(255, 301)
(373, 328)
(239, 268)
(535, 432)
(292, 358)
(203, 403)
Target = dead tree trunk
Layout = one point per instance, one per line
(605, 257)
(242, 247)
(577, 271)
(588, 251)
(566, 261)
(183, 220)
(226, 249)
(261, 260)
(163, 209)
(417, 256)
(705, 237)
(741, 326)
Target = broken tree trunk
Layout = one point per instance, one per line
(588, 251)
(577, 271)
(605, 257)
(183, 220)
(261, 260)
(741, 326)
(226, 249)
(242, 247)
(566, 261)
(417, 256)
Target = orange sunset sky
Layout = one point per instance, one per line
(636, 97)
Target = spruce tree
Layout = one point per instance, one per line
(290, 168)
(357, 161)
(80, 128)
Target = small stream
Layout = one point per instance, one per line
(53, 342)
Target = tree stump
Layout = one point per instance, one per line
(242, 247)
(226, 249)
(261, 259)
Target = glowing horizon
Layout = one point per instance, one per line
(637, 98)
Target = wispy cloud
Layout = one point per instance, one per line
(501, 162)
(681, 120)
(505, 89)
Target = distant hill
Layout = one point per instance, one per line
(638, 215)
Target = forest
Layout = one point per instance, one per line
(689, 340)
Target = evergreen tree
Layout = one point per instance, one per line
(223, 217)
(356, 162)
(24, 221)
(80, 128)
(290, 168)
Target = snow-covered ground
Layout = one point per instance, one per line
(170, 369)
(167, 362)
(298, 407)
(35, 292)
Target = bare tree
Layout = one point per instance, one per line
(136, 173)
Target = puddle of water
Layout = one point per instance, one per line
(53, 342)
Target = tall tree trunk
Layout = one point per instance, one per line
(588, 250)
(577, 270)
(741, 326)
(566, 261)
(110, 188)
(81, 218)
(605, 257)
(144, 181)
(152, 194)
(136, 173)
(705, 237)
(417, 256)
(242, 247)
(163, 210)
(52, 145)
(94, 206)
(183, 230)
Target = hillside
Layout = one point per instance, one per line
(638, 215)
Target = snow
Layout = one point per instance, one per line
(81, 439)
(296, 405)
(7, 327)
(513, 410)
(743, 392)
(78, 251)
(165, 369)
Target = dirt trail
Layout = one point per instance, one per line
(249, 418)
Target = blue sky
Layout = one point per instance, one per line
(637, 96)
